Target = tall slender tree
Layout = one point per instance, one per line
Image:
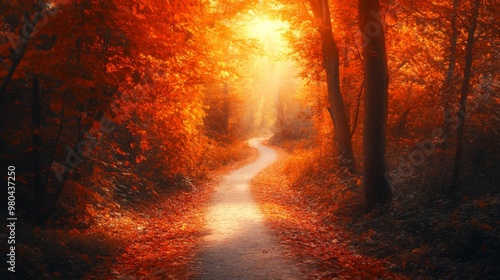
(321, 11)
(469, 55)
(448, 82)
(376, 186)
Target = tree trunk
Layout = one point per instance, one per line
(281, 121)
(338, 115)
(376, 186)
(52, 202)
(448, 82)
(463, 96)
(36, 116)
(25, 34)
(358, 104)
(18, 56)
(225, 110)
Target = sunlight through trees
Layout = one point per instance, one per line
(382, 113)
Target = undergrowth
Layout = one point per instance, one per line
(128, 226)
(318, 211)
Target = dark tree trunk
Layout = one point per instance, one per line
(62, 178)
(463, 96)
(448, 82)
(358, 104)
(331, 63)
(25, 33)
(36, 115)
(18, 56)
(376, 186)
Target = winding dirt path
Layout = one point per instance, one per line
(237, 244)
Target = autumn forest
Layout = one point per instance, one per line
(248, 139)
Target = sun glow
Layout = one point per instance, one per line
(267, 31)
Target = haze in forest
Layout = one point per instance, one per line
(362, 134)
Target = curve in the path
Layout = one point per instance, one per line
(238, 245)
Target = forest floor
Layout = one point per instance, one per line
(320, 245)
(295, 229)
(320, 218)
(237, 245)
(153, 239)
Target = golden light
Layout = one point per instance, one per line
(268, 31)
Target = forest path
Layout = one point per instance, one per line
(238, 245)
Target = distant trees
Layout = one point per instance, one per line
(461, 64)
(136, 66)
